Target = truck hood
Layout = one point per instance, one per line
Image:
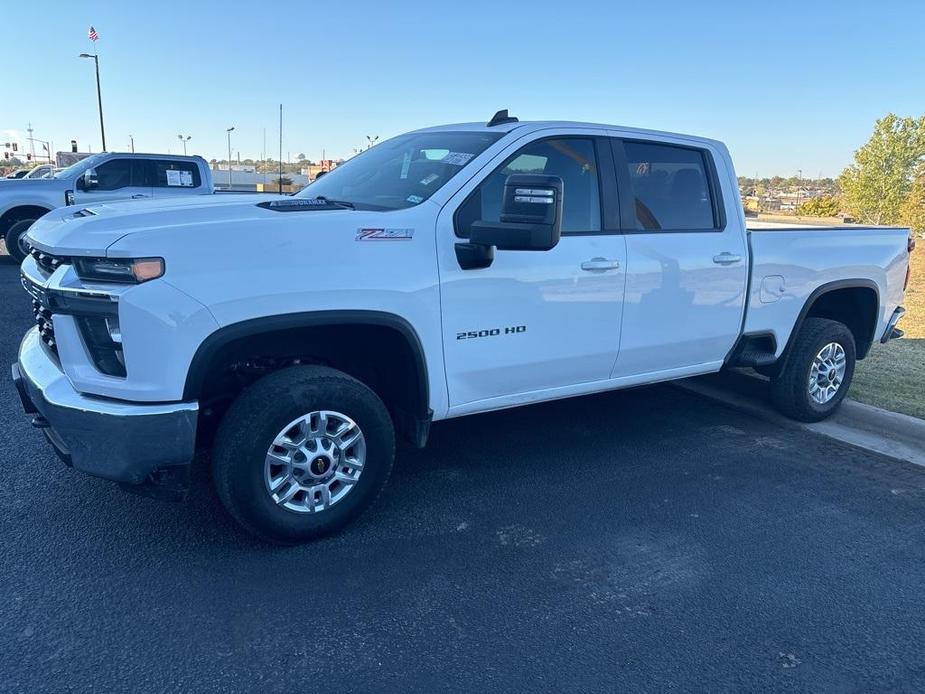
(90, 230)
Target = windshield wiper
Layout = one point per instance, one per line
(337, 203)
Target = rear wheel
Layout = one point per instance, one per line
(301, 453)
(16, 239)
(818, 371)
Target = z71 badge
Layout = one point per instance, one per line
(384, 234)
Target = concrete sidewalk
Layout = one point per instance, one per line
(871, 428)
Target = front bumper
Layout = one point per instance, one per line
(121, 441)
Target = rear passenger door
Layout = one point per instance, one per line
(687, 267)
(175, 178)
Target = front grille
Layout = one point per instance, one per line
(47, 263)
(46, 326)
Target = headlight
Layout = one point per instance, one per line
(127, 270)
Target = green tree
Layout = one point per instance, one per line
(821, 206)
(876, 184)
(912, 212)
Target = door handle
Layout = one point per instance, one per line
(600, 265)
(138, 195)
(726, 258)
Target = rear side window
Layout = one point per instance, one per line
(670, 186)
(176, 174)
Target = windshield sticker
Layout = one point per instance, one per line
(405, 165)
(414, 199)
(179, 178)
(427, 180)
(457, 158)
(384, 234)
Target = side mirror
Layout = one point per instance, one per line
(88, 181)
(531, 220)
(531, 215)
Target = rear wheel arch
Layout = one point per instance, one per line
(378, 348)
(854, 302)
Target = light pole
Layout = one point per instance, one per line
(228, 130)
(371, 140)
(131, 141)
(799, 189)
(99, 96)
(184, 140)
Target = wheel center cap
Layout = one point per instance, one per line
(320, 466)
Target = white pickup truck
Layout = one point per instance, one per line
(105, 177)
(445, 272)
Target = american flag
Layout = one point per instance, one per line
(92, 35)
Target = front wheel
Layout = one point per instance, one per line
(301, 453)
(818, 371)
(16, 239)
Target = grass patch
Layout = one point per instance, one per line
(893, 375)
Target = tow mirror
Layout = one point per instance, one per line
(531, 220)
(88, 181)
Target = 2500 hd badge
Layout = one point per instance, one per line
(491, 332)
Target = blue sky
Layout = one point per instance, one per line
(787, 85)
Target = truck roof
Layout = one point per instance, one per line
(532, 126)
(158, 155)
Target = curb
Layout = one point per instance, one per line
(867, 427)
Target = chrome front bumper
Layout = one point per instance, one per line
(120, 441)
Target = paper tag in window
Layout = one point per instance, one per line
(427, 180)
(414, 199)
(179, 178)
(457, 158)
(405, 165)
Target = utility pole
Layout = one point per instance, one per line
(280, 149)
(99, 96)
(31, 141)
(228, 130)
(132, 143)
(799, 189)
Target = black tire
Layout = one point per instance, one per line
(790, 388)
(260, 413)
(13, 239)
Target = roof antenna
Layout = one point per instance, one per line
(501, 117)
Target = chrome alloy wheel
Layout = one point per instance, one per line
(314, 461)
(827, 373)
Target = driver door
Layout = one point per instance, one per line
(535, 324)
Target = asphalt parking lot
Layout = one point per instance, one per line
(641, 540)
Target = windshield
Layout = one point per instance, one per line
(401, 172)
(79, 167)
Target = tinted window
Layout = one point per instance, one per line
(176, 174)
(571, 159)
(670, 186)
(114, 174)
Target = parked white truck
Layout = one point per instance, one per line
(445, 272)
(105, 177)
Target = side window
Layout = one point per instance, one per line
(176, 174)
(114, 174)
(572, 159)
(670, 187)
